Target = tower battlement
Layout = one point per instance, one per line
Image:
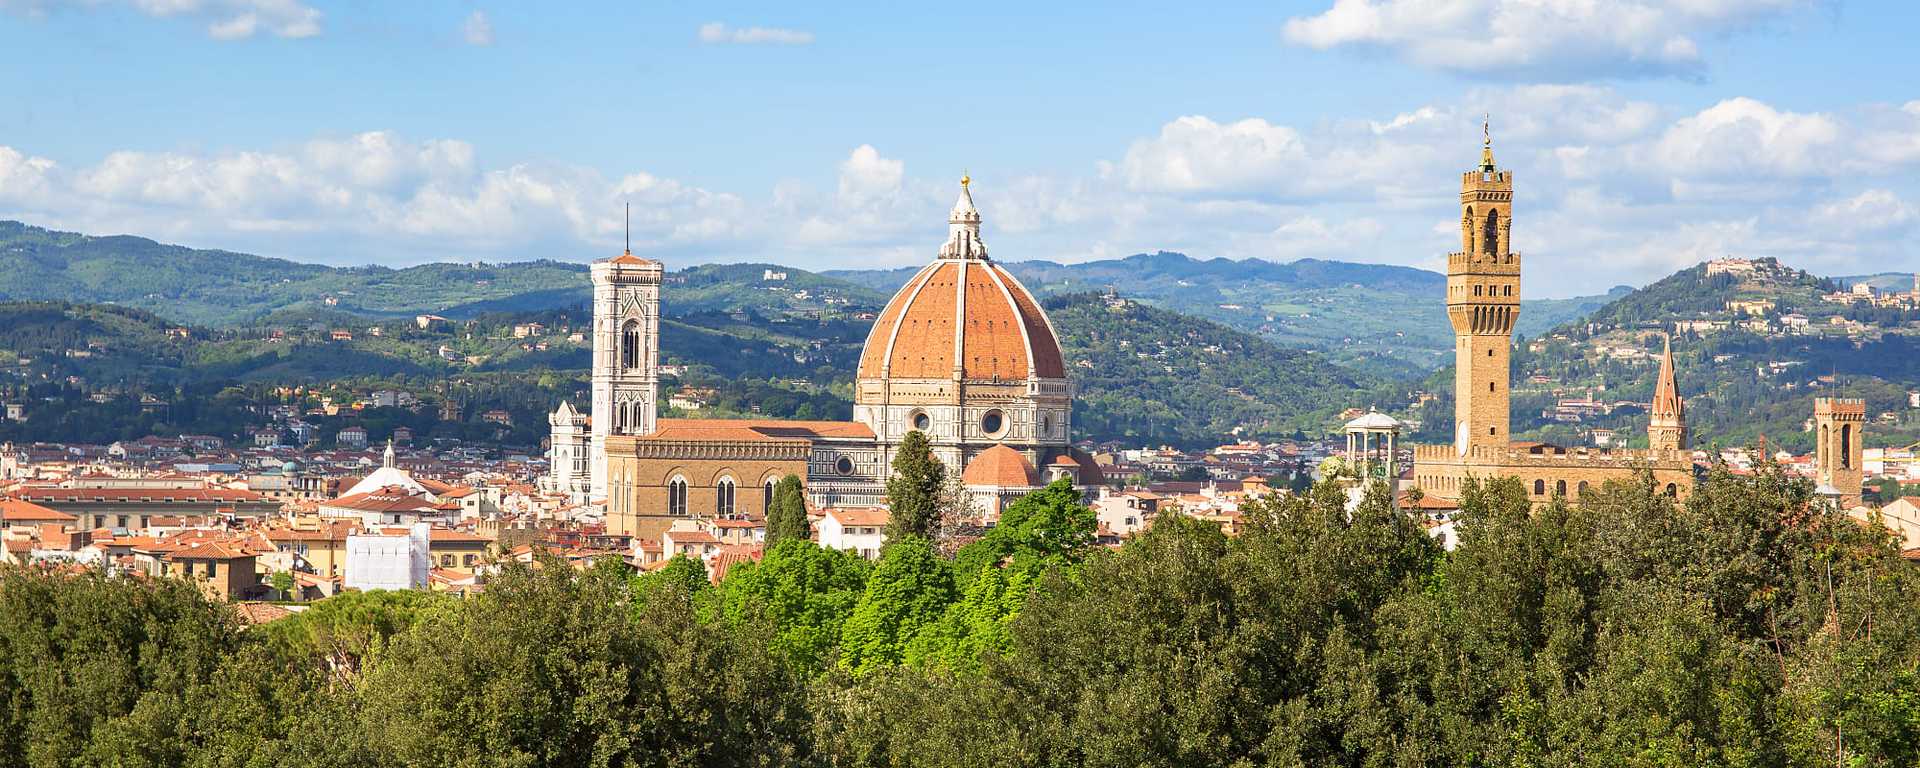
(1483, 181)
(1508, 264)
(1842, 408)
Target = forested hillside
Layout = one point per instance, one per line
(1143, 374)
(1383, 319)
(1753, 349)
(222, 288)
(1150, 375)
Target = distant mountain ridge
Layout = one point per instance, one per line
(1385, 319)
(1382, 318)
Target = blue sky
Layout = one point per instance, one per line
(1646, 135)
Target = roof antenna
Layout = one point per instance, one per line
(629, 246)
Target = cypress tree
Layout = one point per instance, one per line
(787, 517)
(915, 490)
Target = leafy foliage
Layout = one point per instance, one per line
(1751, 625)
(907, 592)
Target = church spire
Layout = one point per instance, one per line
(1667, 423)
(963, 227)
(386, 459)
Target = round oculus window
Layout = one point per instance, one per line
(843, 466)
(993, 423)
(922, 422)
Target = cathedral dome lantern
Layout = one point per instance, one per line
(963, 317)
(964, 353)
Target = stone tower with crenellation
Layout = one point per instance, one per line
(1483, 301)
(1838, 454)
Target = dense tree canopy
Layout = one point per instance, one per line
(1748, 626)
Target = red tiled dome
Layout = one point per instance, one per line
(1001, 330)
(1000, 467)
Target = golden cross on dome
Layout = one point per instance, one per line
(965, 179)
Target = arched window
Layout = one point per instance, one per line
(767, 502)
(1539, 487)
(1492, 233)
(1673, 490)
(677, 496)
(1583, 487)
(1846, 446)
(630, 351)
(1559, 487)
(723, 497)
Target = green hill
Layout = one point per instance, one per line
(1149, 375)
(1380, 318)
(1753, 349)
(1143, 374)
(1332, 306)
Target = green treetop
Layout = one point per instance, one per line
(916, 490)
(787, 516)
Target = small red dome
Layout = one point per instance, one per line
(1000, 467)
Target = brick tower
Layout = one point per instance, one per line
(1483, 300)
(1838, 454)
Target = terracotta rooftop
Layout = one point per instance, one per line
(124, 495)
(386, 500)
(756, 430)
(629, 258)
(449, 536)
(1000, 467)
(19, 511)
(974, 308)
(212, 550)
(691, 537)
(859, 515)
(255, 614)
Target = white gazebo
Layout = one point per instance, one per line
(1373, 441)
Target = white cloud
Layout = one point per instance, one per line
(716, 32)
(1745, 138)
(865, 176)
(1611, 190)
(1872, 211)
(477, 29)
(1196, 154)
(22, 177)
(1554, 40)
(224, 19)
